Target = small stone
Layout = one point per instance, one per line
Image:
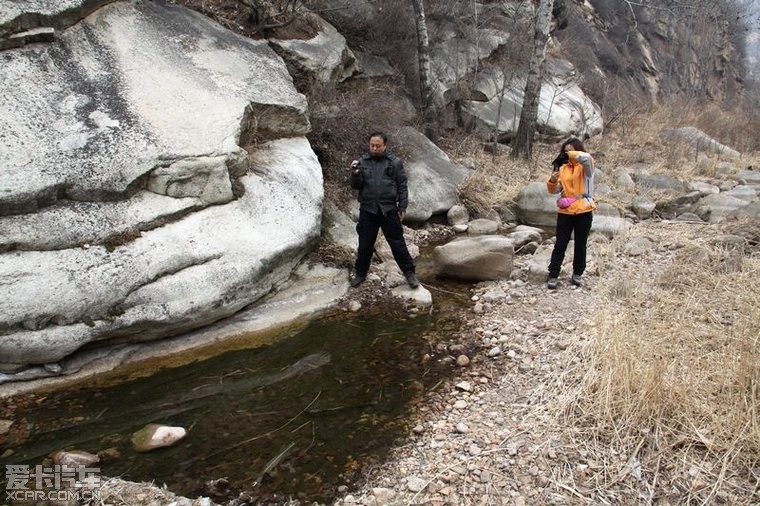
(485, 476)
(463, 360)
(109, 454)
(418, 429)
(495, 351)
(462, 428)
(474, 450)
(478, 309)
(53, 367)
(342, 488)
(382, 495)
(465, 386)
(460, 404)
(354, 306)
(5, 426)
(563, 345)
(415, 484)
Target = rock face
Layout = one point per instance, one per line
(128, 208)
(562, 107)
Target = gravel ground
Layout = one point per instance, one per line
(495, 434)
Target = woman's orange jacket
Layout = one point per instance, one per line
(575, 184)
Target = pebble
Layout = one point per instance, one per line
(465, 386)
(460, 404)
(462, 428)
(463, 360)
(354, 306)
(495, 351)
(415, 484)
(382, 495)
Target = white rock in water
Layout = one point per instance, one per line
(74, 458)
(154, 436)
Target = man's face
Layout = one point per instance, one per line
(376, 145)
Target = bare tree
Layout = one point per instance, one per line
(268, 15)
(522, 144)
(427, 86)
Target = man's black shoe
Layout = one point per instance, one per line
(357, 280)
(411, 279)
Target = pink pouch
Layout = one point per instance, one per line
(565, 202)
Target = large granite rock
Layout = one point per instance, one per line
(481, 258)
(433, 179)
(563, 107)
(536, 206)
(183, 275)
(325, 57)
(125, 134)
(135, 87)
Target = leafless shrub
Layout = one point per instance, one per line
(341, 120)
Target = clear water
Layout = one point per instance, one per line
(296, 418)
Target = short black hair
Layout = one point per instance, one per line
(379, 133)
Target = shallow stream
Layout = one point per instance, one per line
(296, 418)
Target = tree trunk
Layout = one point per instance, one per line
(522, 144)
(426, 73)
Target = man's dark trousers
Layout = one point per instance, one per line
(367, 228)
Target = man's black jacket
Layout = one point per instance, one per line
(381, 181)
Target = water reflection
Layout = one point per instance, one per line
(295, 418)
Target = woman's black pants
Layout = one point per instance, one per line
(567, 224)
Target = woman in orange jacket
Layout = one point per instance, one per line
(573, 179)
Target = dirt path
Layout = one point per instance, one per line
(481, 438)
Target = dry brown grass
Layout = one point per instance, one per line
(672, 377)
(498, 178)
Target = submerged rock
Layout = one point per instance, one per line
(154, 436)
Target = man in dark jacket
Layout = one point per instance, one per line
(381, 180)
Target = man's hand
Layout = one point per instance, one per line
(355, 164)
(401, 215)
